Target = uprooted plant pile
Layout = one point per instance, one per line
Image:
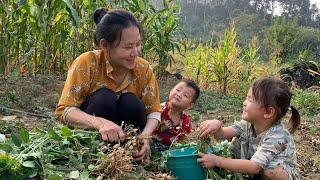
(63, 153)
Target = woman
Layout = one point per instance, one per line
(111, 85)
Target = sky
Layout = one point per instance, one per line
(278, 9)
(317, 2)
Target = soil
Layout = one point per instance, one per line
(40, 94)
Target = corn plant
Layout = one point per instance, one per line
(196, 65)
(226, 67)
(220, 65)
(250, 59)
(225, 64)
(32, 45)
(161, 27)
(51, 34)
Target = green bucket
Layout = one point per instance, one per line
(183, 164)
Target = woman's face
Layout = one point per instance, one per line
(123, 55)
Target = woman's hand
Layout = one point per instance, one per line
(110, 131)
(144, 152)
(209, 127)
(208, 160)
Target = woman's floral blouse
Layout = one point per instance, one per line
(91, 71)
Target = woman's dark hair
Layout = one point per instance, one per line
(193, 85)
(98, 14)
(272, 92)
(109, 24)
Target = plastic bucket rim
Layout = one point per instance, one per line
(182, 155)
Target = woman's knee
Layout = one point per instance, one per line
(103, 97)
(132, 110)
(101, 103)
(129, 102)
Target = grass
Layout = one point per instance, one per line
(210, 100)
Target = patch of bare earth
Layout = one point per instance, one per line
(308, 149)
(32, 99)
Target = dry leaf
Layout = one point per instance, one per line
(8, 118)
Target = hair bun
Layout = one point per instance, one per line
(98, 14)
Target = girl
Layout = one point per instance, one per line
(262, 145)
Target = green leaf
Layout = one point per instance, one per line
(32, 173)
(91, 167)
(74, 174)
(65, 131)
(86, 2)
(74, 17)
(2, 138)
(22, 2)
(54, 177)
(16, 139)
(6, 147)
(54, 135)
(84, 175)
(29, 164)
(24, 135)
(39, 2)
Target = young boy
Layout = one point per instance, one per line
(174, 122)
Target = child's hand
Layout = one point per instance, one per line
(144, 153)
(208, 160)
(209, 127)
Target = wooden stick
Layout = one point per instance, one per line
(24, 112)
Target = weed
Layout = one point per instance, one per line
(308, 103)
(9, 127)
(314, 130)
(44, 80)
(194, 115)
(213, 100)
(8, 97)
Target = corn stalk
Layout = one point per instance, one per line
(161, 26)
(41, 36)
(225, 64)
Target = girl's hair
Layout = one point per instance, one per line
(194, 86)
(272, 92)
(109, 25)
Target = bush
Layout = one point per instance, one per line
(308, 103)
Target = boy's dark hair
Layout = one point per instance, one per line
(272, 92)
(109, 25)
(193, 85)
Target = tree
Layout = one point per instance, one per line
(248, 26)
(280, 38)
(305, 13)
